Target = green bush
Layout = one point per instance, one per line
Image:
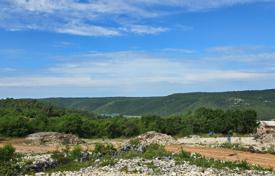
(155, 150)
(105, 149)
(108, 161)
(9, 168)
(75, 153)
(134, 142)
(60, 157)
(7, 152)
(8, 161)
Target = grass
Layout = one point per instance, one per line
(237, 146)
(201, 161)
(71, 166)
(216, 135)
(106, 157)
(68, 160)
(234, 146)
(153, 167)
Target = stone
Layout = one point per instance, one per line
(52, 138)
(146, 139)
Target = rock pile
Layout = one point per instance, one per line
(53, 138)
(265, 133)
(139, 143)
(38, 163)
(267, 137)
(153, 137)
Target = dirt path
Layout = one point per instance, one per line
(22, 147)
(264, 160)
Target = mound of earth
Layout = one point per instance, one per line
(140, 142)
(153, 137)
(265, 134)
(268, 137)
(53, 138)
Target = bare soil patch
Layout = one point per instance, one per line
(264, 160)
(23, 146)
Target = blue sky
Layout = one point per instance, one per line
(96, 48)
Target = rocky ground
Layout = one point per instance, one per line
(140, 166)
(52, 138)
(40, 163)
(168, 167)
(217, 141)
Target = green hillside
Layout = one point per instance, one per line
(262, 101)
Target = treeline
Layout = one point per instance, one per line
(19, 117)
(22, 117)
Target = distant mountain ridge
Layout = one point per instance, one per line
(263, 101)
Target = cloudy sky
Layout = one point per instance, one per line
(95, 48)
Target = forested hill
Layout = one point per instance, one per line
(262, 101)
(29, 109)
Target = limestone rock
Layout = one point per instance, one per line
(53, 138)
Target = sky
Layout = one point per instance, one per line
(100, 48)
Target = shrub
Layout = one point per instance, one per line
(155, 150)
(108, 161)
(7, 152)
(75, 154)
(8, 161)
(184, 155)
(60, 157)
(9, 168)
(134, 142)
(105, 149)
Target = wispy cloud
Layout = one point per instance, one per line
(85, 18)
(129, 69)
(63, 44)
(179, 50)
(87, 30)
(239, 49)
(7, 69)
(144, 29)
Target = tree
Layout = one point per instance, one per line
(72, 124)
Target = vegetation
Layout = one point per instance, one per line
(110, 156)
(102, 155)
(202, 161)
(8, 161)
(155, 150)
(260, 101)
(22, 117)
(237, 146)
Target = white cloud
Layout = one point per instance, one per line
(129, 69)
(87, 30)
(239, 49)
(198, 5)
(89, 16)
(257, 58)
(179, 50)
(144, 29)
(42, 81)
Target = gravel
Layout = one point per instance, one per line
(165, 167)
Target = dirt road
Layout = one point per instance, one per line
(23, 147)
(264, 160)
